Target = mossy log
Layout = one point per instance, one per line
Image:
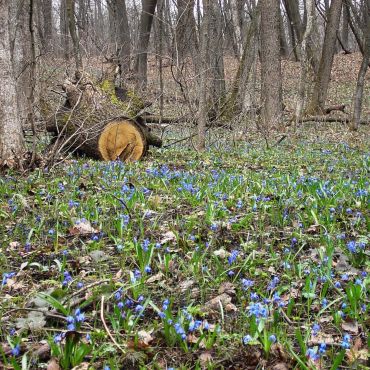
(100, 124)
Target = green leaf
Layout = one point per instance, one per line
(54, 302)
(338, 360)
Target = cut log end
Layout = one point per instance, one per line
(122, 139)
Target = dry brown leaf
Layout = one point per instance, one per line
(169, 236)
(313, 229)
(222, 253)
(82, 366)
(325, 319)
(228, 288)
(145, 337)
(205, 358)
(357, 353)
(118, 274)
(231, 307)
(350, 326)
(224, 299)
(82, 228)
(280, 366)
(185, 285)
(321, 338)
(53, 365)
(154, 278)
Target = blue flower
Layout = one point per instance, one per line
(258, 310)
(233, 256)
(148, 269)
(58, 338)
(315, 329)
(312, 354)
(6, 276)
(139, 308)
(16, 350)
(246, 339)
(275, 280)
(247, 283)
(346, 341)
(322, 348)
(352, 246)
(145, 245)
(79, 316)
(272, 338)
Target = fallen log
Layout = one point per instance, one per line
(101, 121)
(331, 119)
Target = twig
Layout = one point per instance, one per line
(45, 313)
(287, 319)
(106, 327)
(280, 141)
(87, 287)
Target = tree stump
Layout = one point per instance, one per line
(98, 122)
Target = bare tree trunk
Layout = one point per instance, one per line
(73, 32)
(63, 24)
(362, 72)
(292, 8)
(271, 80)
(146, 20)
(240, 97)
(345, 27)
(283, 42)
(120, 32)
(216, 41)
(327, 56)
(11, 136)
(302, 88)
(203, 62)
(47, 16)
(186, 34)
(21, 54)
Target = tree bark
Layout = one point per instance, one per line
(362, 72)
(47, 12)
(186, 33)
(203, 62)
(271, 80)
(216, 42)
(120, 32)
(302, 88)
(298, 29)
(345, 27)
(327, 56)
(11, 136)
(73, 32)
(63, 24)
(146, 20)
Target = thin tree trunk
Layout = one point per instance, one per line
(11, 136)
(145, 27)
(345, 27)
(186, 35)
(271, 80)
(302, 88)
(120, 32)
(358, 97)
(216, 42)
(73, 32)
(283, 42)
(203, 62)
(328, 49)
(47, 16)
(63, 24)
(239, 91)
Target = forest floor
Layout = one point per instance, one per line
(242, 257)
